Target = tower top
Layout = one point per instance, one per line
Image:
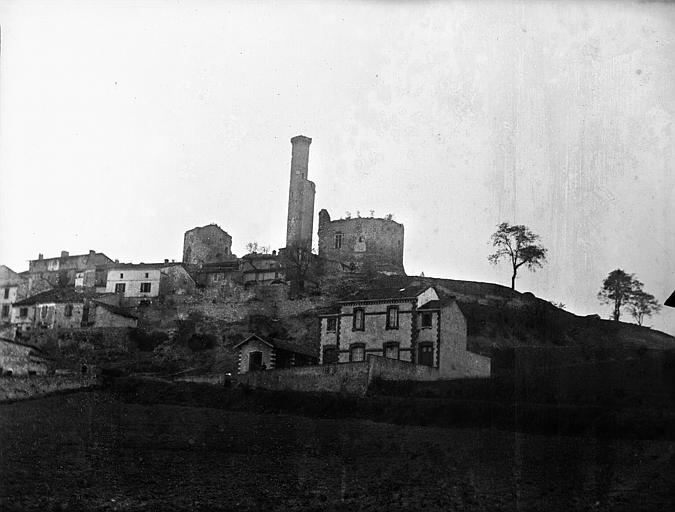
(301, 138)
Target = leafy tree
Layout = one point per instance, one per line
(519, 246)
(252, 247)
(643, 304)
(617, 289)
(622, 290)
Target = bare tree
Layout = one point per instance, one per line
(299, 266)
(519, 246)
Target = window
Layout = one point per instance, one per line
(331, 324)
(145, 287)
(357, 352)
(23, 313)
(426, 320)
(330, 355)
(68, 310)
(6, 293)
(390, 350)
(120, 287)
(425, 354)
(147, 275)
(44, 311)
(5, 310)
(121, 276)
(338, 240)
(359, 324)
(392, 317)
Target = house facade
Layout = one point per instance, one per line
(262, 268)
(13, 287)
(409, 324)
(148, 280)
(21, 359)
(259, 353)
(67, 308)
(62, 271)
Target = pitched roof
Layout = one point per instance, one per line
(139, 266)
(39, 351)
(409, 291)
(432, 304)
(287, 345)
(670, 301)
(58, 296)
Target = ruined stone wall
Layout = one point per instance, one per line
(455, 361)
(207, 244)
(361, 243)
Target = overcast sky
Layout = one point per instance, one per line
(124, 124)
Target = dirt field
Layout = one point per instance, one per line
(87, 451)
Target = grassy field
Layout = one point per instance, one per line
(89, 451)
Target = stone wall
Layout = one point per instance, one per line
(366, 243)
(455, 361)
(348, 378)
(22, 388)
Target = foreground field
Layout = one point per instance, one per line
(89, 451)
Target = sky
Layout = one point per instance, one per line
(123, 124)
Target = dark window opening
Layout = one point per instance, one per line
(6, 293)
(68, 310)
(23, 313)
(145, 287)
(331, 325)
(5, 310)
(359, 319)
(338, 240)
(426, 320)
(120, 287)
(147, 275)
(390, 350)
(392, 317)
(121, 276)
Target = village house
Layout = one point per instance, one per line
(262, 268)
(13, 287)
(256, 351)
(408, 324)
(216, 275)
(18, 358)
(62, 271)
(67, 308)
(136, 282)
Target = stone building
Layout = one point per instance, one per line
(18, 358)
(300, 197)
(13, 287)
(207, 244)
(361, 244)
(62, 271)
(408, 324)
(262, 268)
(68, 308)
(149, 280)
(256, 350)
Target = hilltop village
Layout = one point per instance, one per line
(351, 306)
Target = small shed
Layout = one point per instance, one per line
(256, 351)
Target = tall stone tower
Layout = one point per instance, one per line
(300, 197)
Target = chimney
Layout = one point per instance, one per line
(166, 260)
(64, 254)
(117, 261)
(92, 252)
(300, 156)
(41, 256)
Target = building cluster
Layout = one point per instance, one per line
(93, 290)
